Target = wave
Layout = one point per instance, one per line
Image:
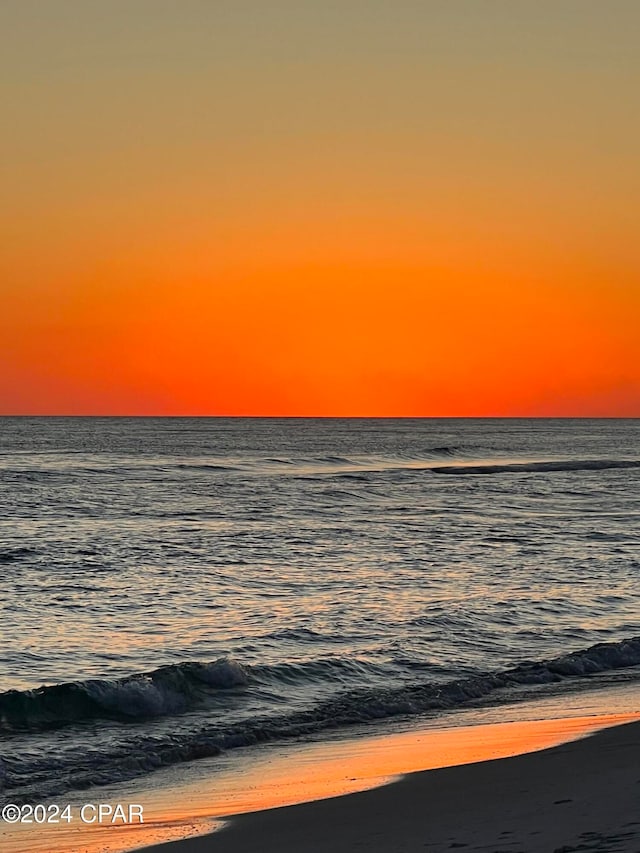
(533, 467)
(357, 467)
(171, 689)
(175, 688)
(37, 773)
(365, 471)
(303, 635)
(168, 690)
(161, 466)
(205, 466)
(29, 475)
(272, 464)
(12, 555)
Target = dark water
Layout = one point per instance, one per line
(185, 586)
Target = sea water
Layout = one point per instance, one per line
(174, 588)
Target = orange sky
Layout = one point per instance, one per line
(303, 209)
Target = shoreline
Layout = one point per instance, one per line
(580, 795)
(207, 802)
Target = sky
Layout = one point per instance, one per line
(301, 208)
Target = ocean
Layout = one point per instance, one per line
(174, 588)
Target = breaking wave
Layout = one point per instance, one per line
(170, 689)
(175, 688)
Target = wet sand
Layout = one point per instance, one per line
(579, 796)
(545, 800)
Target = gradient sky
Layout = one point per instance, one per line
(294, 207)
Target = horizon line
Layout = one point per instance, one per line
(330, 417)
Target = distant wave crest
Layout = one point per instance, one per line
(12, 555)
(533, 467)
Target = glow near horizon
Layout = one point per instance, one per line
(320, 209)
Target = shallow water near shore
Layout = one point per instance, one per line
(183, 801)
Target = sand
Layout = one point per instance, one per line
(583, 795)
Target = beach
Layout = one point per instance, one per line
(582, 795)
